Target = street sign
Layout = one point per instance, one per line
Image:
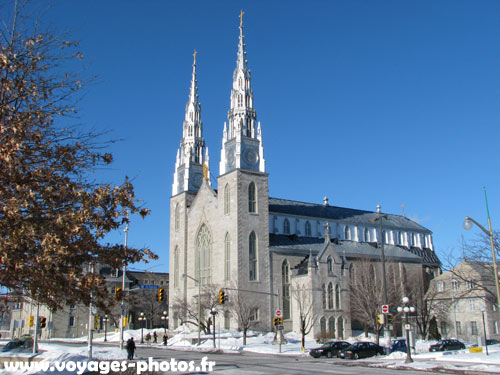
(385, 309)
(278, 313)
(146, 286)
(407, 327)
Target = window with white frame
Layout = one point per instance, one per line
(286, 227)
(473, 328)
(308, 229)
(472, 305)
(469, 284)
(455, 284)
(347, 233)
(458, 326)
(252, 255)
(495, 327)
(367, 235)
(440, 286)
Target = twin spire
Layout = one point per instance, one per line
(242, 140)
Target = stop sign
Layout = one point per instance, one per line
(385, 309)
(278, 313)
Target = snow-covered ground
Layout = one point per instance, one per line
(257, 342)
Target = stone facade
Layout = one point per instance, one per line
(267, 249)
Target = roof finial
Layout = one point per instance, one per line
(241, 17)
(194, 57)
(403, 206)
(325, 201)
(378, 208)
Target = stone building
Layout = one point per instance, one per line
(238, 237)
(464, 296)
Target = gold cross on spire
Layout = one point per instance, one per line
(241, 17)
(194, 56)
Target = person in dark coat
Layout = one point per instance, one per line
(165, 338)
(130, 348)
(155, 337)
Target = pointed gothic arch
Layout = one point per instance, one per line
(329, 264)
(330, 296)
(285, 282)
(323, 295)
(337, 297)
(331, 326)
(308, 229)
(176, 267)
(227, 199)
(252, 257)
(347, 232)
(252, 200)
(286, 227)
(227, 257)
(203, 255)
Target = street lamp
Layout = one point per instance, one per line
(122, 305)
(407, 309)
(483, 309)
(213, 312)
(142, 318)
(105, 320)
(164, 317)
(468, 226)
(183, 277)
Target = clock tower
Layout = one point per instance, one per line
(242, 138)
(191, 164)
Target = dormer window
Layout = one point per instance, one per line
(347, 233)
(286, 227)
(367, 235)
(308, 229)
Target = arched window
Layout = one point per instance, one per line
(286, 227)
(177, 217)
(323, 295)
(322, 324)
(337, 297)
(347, 233)
(285, 282)
(308, 229)
(227, 257)
(330, 296)
(227, 199)
(204, 249)
(329, 264)
(176, 267)
(251, 198)
(367, 235)
(331, 326)
(413, 239)
(252, 257)
(400, 238)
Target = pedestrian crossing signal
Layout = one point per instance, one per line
(96, 322)
(118, 293)
(43, 322)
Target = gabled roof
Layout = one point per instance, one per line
(300, 246)
(346, 215)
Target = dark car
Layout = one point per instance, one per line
(19, 345)
(443, 345)
(361, 350)
(330, 349)
(398, 345)
(492, 342)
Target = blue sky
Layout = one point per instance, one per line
(366, 102)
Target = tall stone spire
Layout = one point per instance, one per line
(242, 139)
(191, 156)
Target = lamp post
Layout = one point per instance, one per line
(142, 318)
(164, 317)
(213, 312)
(183, 277)
(468, 226)
(483, 309)
(105, 321)
(122, 306)
(407, 309)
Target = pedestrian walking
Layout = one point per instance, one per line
(165, 338)
(130, 348)
(155, 337)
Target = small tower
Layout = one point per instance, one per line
(191, 155)
(242, 138)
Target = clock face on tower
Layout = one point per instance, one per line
(197, 179)
(251, 156)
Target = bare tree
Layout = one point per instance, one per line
(243, 310)
(303, 297)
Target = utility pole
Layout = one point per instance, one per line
(122, 307)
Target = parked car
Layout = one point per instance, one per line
(361, 350)
(25, 343)
(330, 349)
(443, 345)
(398, 345)
(492, 342)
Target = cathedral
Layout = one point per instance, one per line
(274, 254)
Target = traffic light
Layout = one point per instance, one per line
(43, 322)
(161, 295)
(275, 321)
(118, 293)
(125, 321)
(280, 320)
(381, 318)
(31, 321)
(96, 322)
(390, 318)
(222, 296)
